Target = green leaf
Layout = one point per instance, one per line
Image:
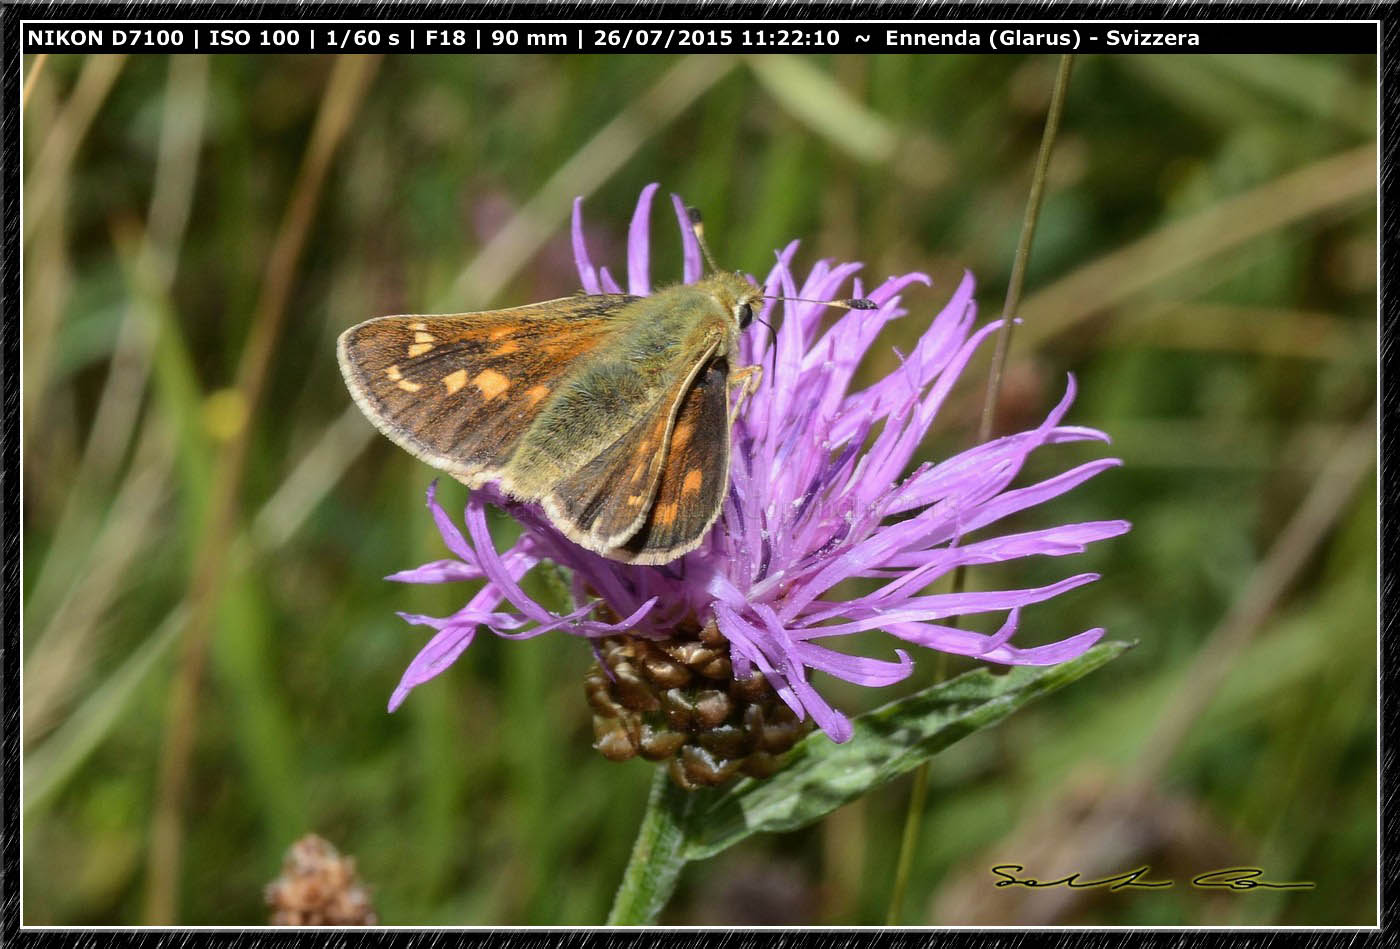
(885, 743)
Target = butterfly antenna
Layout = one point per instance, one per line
(856, 303)
(697, 227)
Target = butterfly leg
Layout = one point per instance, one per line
(747, 379)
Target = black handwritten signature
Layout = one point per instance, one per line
(1228, 878)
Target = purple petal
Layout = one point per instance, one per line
(694, 263)
(986, 469)
(836, 725)
(937, 606)
(743, 638)
(604, 629)
(857, 669)
(456, 633)
(1050, 542)
(587, 275)
(442, 650)
(1018, 500)
(945, 334)
(1047, 655)
(451, 536)
(495, 570)
(439, 571)
(639, 245)
(466, 616)
(886, 467)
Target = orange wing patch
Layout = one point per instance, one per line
(454, 381)
(490, 383)
(694, 478)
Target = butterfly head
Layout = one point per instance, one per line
(739, 298)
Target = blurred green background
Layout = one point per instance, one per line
(204, 574)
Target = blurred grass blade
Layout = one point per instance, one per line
(53, 762)
(815, 98)
(275, 524)
(885, 744)
(178, 395)
(256, 713)
(1330, 184)
(1200, 92)
(68, 641)
(147, 256)
(1320, 87)
(319, 470)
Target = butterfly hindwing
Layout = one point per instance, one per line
(694, 476)
(605, 501)
(459, 390)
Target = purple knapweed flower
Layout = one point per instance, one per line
(809, 506)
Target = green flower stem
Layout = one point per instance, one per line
(917, 795)
(655, 865)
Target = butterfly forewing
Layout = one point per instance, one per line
(694, 475)
(458, 390)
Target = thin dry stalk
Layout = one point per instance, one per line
(47, 282)
(914, 815)
(34, 70)
(69, 129)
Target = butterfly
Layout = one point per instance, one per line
(610, 411)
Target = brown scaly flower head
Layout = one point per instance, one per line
(318, 887)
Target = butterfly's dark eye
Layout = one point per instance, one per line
(745, 313)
